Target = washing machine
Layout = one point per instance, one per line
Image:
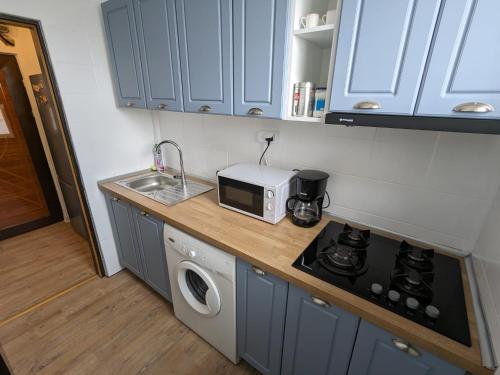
(203, 283)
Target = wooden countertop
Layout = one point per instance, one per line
(275, 247)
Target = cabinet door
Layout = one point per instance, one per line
(381, 54)
(260, 30)
(150, 240)
(124, 234)
(260, 316)
(464, 64)
(205, 42)
(375, 353)
(157, 32)
(319, 337)
(123, 52)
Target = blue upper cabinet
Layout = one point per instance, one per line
(260, 34)
(157, 32)
(123, 50)
(205, 42)
(463, 76)
(377, 352)
(381, 53)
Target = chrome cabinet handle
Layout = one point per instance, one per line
(258, 271)
(205, 108)
(474, 107)
(367, 105)
(115, 199)
(405, 347)
(255, 112)
(130, 104)
(144, 213)
(319, 301)
(162, 106)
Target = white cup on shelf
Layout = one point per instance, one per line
(310, 20)
(329, 17)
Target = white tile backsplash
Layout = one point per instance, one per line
(437, 187)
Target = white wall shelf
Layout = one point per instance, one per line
(322, 35)
(304, 119)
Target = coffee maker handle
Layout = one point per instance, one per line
(288, 209)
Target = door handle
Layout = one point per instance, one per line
(474, 107)
(255, 111)
(144, 213)
(258, 271)
(115, 199)
(405, 347)
(162, 106)
(320, 302)
(130, 104)
(205, 108)
(367, 105)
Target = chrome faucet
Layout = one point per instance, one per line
(183, 176)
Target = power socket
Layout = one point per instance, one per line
(263, 134)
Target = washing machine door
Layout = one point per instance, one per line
(197, 288)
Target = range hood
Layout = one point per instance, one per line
(447, 124)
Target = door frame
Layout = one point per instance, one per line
(47, 67)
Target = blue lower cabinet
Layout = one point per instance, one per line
(139, 241)
(122, 223)
(378, 352)
(260, 312)
(319, 337)
(152, 250)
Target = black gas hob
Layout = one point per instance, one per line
(413, 282)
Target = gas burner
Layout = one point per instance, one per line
(354, 237)
(343, 260)
(414, 257)
(414, 282)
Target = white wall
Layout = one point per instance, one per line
(25, 54)
(437, 187)
(108, 141)
(486, 260)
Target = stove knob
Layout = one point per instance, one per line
(412, 303)
(191, 253)
(393, 296)
(376, 289)
(432, 312)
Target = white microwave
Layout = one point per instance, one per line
(255, 190)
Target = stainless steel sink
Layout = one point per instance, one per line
(164, 188)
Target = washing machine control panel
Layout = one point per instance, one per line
(201, 253)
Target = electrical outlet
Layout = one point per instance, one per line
(263, 134)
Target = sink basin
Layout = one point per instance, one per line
(164, 188)
(151, 183)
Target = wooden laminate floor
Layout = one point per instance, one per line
(37, 265)
(112, 325)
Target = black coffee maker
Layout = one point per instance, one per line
(305, 208)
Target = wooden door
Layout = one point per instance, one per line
(205, 43)
(28, 198)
